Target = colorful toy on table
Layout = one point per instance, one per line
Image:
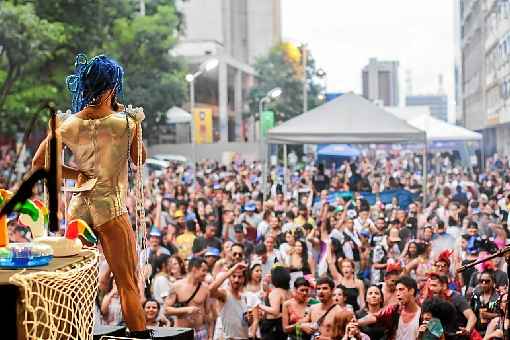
(69, 244)
(23, 255)
(34, 215)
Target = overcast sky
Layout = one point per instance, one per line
(344, 34)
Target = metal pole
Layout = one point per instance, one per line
(425, 174)
(285, 169)
(482, 154)
(191, 108)
(262, 159)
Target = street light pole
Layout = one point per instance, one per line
(191, 109)
(206, 66)
(273, 94)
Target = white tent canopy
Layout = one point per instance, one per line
(347, 119)
(176, 115)
(438, 130)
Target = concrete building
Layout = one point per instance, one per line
(438, 104)
(485, 53)
(457, 55)
(381, 82)
(236, 32)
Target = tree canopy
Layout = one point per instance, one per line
(39, 40)
(282, 67)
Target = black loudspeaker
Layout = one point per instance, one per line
(173, 333)
(161, 333)
(101, 331)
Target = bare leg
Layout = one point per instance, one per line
(119, 247)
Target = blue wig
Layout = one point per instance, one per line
(91, 78)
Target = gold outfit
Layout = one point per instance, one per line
(101, 150)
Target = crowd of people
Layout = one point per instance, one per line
(302, 262)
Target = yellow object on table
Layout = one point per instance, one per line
(4, 233)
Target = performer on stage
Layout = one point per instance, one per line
(102, 138)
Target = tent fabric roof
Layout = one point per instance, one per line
(347, 119)
(177, 115)
(438, 130)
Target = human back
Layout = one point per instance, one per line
(100, 146)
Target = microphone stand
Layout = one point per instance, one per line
(25, 190)
(500, 253)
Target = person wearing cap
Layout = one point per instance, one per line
(154, 248)
(211, 256)
(209, 239)
(180, 221)
(251, 220)
(184, 242)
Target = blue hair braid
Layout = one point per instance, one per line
(91, 78)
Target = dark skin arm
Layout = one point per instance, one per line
(39, 160)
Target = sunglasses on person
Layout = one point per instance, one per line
(237, 254)
(485, 281)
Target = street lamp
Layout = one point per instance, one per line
(273, 94)
(206, 66)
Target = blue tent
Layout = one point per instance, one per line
(336, 153)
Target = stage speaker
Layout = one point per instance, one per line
(160, 333)
(103, 332)
(173, 333)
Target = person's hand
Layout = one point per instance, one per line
(192, 310)
(239, 266)
(352, 329)
(307, 328)
(463, 331)
(422, 328)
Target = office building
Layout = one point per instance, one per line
(438, 104)
(236, 32)
(381, 82)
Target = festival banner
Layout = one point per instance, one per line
(202, 119)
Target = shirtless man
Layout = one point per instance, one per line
(190, 310)
(325, 320)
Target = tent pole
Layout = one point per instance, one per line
(285, 169)
(482, 154)
(425, 174)
(264, 151)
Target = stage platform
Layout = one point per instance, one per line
(22, 322)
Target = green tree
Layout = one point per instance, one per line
(282, 67)
(26, 43)
(39, 40)
(154, 78)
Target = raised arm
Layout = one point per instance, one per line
(220, 294)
